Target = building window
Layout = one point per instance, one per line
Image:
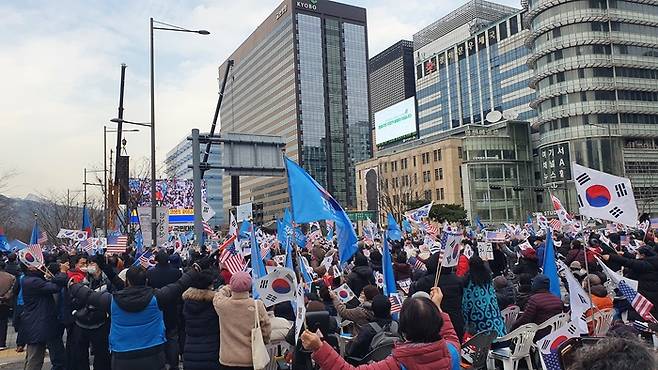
(437, 155)
(440, 173)
(428, 195)
(414, 161)
(442, 195)
(415, 179)
(513, 26)
(459, 152)
(436, 174)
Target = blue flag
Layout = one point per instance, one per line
(301, 261)
(311, 202)
(86, 222)
(393, 229)
(139, 242)
(256, 260)
(478, 223)
(387, 269)
(34, 238)
(407, 226)
(550, 266)
(245, 230)
(4, 244)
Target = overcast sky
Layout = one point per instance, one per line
(60, 66)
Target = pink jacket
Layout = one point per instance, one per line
(414, 356)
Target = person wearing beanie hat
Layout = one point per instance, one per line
(541, 306)
(381, 321)
(361, 275)
(236, 311)
(578, 272)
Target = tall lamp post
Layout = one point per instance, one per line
(156, 25)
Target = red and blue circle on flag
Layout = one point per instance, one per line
(281, 286)
(598, 196)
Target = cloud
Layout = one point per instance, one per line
(61, 64)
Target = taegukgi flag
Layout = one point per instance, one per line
(605, 196)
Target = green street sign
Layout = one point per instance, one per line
(361, 215)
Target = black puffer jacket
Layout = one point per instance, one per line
(39, 316)
(359, 278)
(452, 287)
(645, 271)
(201, 330)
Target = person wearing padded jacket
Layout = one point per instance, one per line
(430, 341)
(137, 331)
(201, 350)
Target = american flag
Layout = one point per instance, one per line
(641, 305)
(208, 230)
(232, 259)
(429, 228)
(86, 245)
(396, 303)
(145, 260)
(555, 224)
(654, 223)
(43, 238)
(116, 244)
(419, 264)
(496, 236)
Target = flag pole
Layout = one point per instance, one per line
(438, 271)
(589, 288)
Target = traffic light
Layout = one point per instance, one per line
(495, 187)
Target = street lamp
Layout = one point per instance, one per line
(156, 25)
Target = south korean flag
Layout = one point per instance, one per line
(604, 196)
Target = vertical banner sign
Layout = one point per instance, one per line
(162, 232)
(555, 163)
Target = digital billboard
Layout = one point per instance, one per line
(396, 122)
(175, 194)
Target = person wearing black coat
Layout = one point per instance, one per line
(39, 323)
(452, 287)
(361, 275)
(645, 271)
(201, 322)
(527, 264)
(13, 267)
(159, 276)
(137, 330)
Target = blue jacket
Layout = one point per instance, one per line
(137, 309)
(201, 330)
(39, 320)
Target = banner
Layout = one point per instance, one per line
(76, 235)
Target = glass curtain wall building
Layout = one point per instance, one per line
(595, 65)
(303, 75)
(177, 167)
(485, 71)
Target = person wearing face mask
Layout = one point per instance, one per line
(644, 269)
(91, 324)
(79, 270)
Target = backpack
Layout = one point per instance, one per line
(384, 336)
(455, 358)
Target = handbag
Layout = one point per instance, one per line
(259, 356)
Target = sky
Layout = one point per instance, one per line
(60, 64)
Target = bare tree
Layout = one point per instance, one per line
(394, 195)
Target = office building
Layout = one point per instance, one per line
(391, 76)
(498, 173)
(417, 170)
(473, 68)
(302, 74)
(177, 165)
(595, 65)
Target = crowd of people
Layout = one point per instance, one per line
(193, 312)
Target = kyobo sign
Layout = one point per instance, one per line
(309, 4)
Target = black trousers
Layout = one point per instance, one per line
(154, 361)
(4, 321)
(97, 339)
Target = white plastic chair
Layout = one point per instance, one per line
(601, 322)
(509, 316)
(554, 323)
(521, 340)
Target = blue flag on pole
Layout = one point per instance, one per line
(393, 229)
(478, 223)
(311, 202)
(550, 266)
(86, 222)
(256, 260)
(139, 242)
(4, 244)
(34, 238)
(387, 269)
(407, 226)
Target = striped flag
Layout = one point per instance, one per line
(555, 224)
(43, 238)
(419, 264)
(396, 303)
(31, 256)
(116, 244)
(628, 288)
(145, 260)
(429, 228)
(208, 230)
(654, 223)
(86, 246)
(232, 259)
